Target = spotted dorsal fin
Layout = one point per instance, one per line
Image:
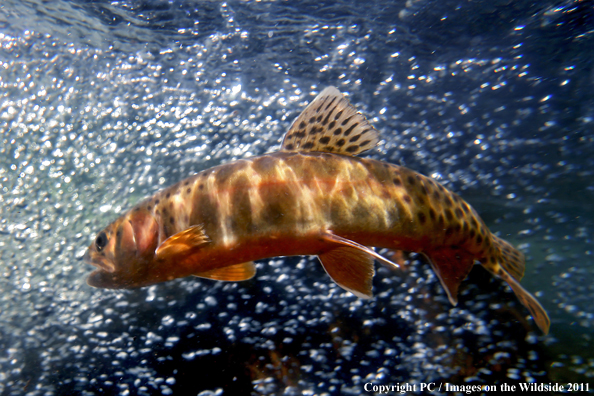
(331, 124)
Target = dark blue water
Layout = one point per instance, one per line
(103, 103)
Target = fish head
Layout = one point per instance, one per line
(124, 251)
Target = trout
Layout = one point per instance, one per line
(313, 197)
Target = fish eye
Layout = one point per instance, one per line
(101, 241)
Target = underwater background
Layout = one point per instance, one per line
(105, 102)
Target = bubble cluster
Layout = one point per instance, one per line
(104, 103)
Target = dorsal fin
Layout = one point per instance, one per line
(331, 124)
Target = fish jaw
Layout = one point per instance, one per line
(99, 262)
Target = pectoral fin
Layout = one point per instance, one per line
(182, 243)
(232, 273)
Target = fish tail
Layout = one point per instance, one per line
(510, 258)
(508, 263)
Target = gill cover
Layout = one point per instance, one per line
(137, 237)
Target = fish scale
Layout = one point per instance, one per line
(313, 197)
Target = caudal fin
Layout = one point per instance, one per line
(513, 261)
(508, 263)
(538, 312)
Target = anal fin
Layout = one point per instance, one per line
(232, 273)
(182, 243)
(451, 267)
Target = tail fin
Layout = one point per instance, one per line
(513, 260)
(509, 265)
(538, 313)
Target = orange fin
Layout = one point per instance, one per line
(451, 267)
(513, 260)
(536, 310)
(351, 269)
(350, 264)
(182, 242)
(330, 237)
(331, 124)
(232, 273)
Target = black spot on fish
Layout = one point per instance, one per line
(397, 181)
(324, 140)
(290, 146)
(346, 120)
(479, 239)
(364, 143)
(407, 198)
(188, 190)
(472, 233)
(459, 212)
(328, 117)
(156, 201)
(186, 183)
(332, 125)
(168, 195)
(171, 220)
(348, 131)
(319, 119)
(352, 149)
(337, 132)
(337, 116)
(312, 120)
(307, 145)
(411, 180)
(201, 186)
(355, 138)
(149, 207)
(432, 214)
(341, 142)
(422, 218)
(302, 125)
(449, 216)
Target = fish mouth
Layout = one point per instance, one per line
(98, 262)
